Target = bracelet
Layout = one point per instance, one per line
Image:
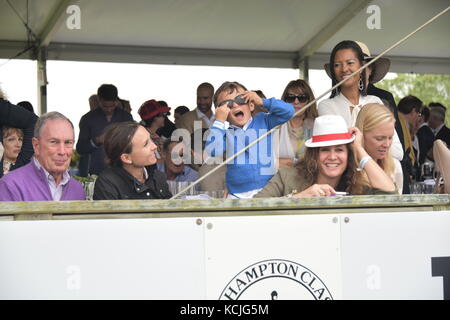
(290, 195)
(363, 162)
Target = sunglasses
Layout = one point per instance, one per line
(302, 98)
(161, 115)
(238, 100)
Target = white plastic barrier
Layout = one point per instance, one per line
(326, 256)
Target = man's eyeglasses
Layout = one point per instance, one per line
(238, 100)
(302, 98)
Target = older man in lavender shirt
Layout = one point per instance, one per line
(46, 177)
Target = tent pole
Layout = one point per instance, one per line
(42, 79)
(303, 68)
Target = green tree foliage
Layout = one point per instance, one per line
(426, 87)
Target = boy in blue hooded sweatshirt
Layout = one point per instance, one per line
(235, 128)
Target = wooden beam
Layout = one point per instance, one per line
(220, 207)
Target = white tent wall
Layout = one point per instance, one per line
(251, 33)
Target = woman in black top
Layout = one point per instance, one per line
(131, 175)
(18, 117)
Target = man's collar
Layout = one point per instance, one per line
(48, 176)
(162, 167)
(436, 131)
(201, 114)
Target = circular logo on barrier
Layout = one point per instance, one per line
(276, 279)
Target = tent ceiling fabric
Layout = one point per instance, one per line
(263, 33)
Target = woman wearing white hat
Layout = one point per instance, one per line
(346, 100)
(330, 166)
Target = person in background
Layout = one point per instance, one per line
(437, 104)
(124, 104)
(424, 138)
(94, 123)
(173, 165)
(409, 115)
(169, 127)
(27, 105)
(329, 166)
(179, 111)
(47, 176)
(12, 139)
(436, 123)
(203, 113)
(13, 116)
(131, 172)
(153, 115)
(377, 124)
(94, 102)
(297, 130)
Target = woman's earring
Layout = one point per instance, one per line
(361, 84)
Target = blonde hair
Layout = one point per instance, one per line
(369, 118)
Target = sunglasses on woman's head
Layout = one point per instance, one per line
(238, 100)
(302, 98)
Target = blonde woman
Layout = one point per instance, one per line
(377, 124)
(329, 166)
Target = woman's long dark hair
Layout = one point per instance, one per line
(347, 44)
(308, 169)
(118, 137)
(311, 112)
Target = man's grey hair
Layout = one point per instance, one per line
(438, 114)
(54, 115)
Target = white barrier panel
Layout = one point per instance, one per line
(102, 259)
(273, 257)
(390, 255)
(368, 256)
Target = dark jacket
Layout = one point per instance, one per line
(444, 135)
(92, 125)
(18, 117)
(115, 183)
(167, 130)
(426, 140)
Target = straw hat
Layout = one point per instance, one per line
(379, 67)
(329, 130)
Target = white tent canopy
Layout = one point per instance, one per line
(257, 33)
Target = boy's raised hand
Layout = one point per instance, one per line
(222, 113)
(252, 97)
